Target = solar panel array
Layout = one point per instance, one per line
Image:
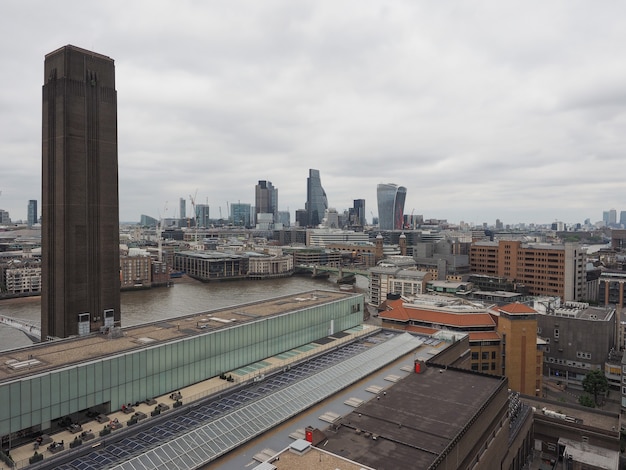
(212, 429)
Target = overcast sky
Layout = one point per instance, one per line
(481, 109)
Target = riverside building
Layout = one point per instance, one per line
(80, 232)
(42, 384)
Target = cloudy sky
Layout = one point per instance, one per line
(482, 109)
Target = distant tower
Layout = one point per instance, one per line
(80, 233)
(182, 208)
(32, 212)
(240, 214)
(402, 244)
(359, 211)
(266, 199)
(202, 215)
(316, 200)
(379, 252)
(391, 199)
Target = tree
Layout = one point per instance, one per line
(595, 383)
(586, 400)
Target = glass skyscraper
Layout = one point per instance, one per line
(316, 200)
(391, 199)
(240, 214)
(266, 199)
(32, 212)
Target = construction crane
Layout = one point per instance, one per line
(160, 233)
(195, 214)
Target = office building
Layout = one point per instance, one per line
(265, 199)
(4, 217)
(316, 200)
(32, 212)
(284, 218)
(80, 234)
(391, 199)
(240, 214)
(543, 269)
(502, 341)
(182, 208)
(578, 338)
(202, 216)
(359, 212)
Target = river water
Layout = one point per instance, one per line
(186, 296)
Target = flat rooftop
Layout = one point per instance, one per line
(45, 356)
(412, 422)
(599, 419)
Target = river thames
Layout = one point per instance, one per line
(186, 296)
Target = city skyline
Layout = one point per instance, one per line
(482, 112)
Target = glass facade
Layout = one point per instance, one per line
(316, 200)
(157, 370)
(391, 200)
(240, 215)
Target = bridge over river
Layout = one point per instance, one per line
(344, 273)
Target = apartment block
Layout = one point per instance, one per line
(543, 269)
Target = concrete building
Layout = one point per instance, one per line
(502, 341)
(522, 358)
(429, 420)
(327, 236)
(578, 339)
(543, 269)
(611, 288)
(4, 217)
(22, 276)
(573, 437)
(314, 256)
(135, 269)
(80, 234)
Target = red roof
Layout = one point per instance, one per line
(484, 336)
(421, 329)
(517, 308)
(401, 313)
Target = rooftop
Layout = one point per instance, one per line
(428, 409)
(44, 356)
(458, 316)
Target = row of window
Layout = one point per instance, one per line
(485, 355)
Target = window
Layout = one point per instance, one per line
(485, 355)
(474, 356)
(556, 332)
(484, 366)
(493, 354)
(475, 368)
